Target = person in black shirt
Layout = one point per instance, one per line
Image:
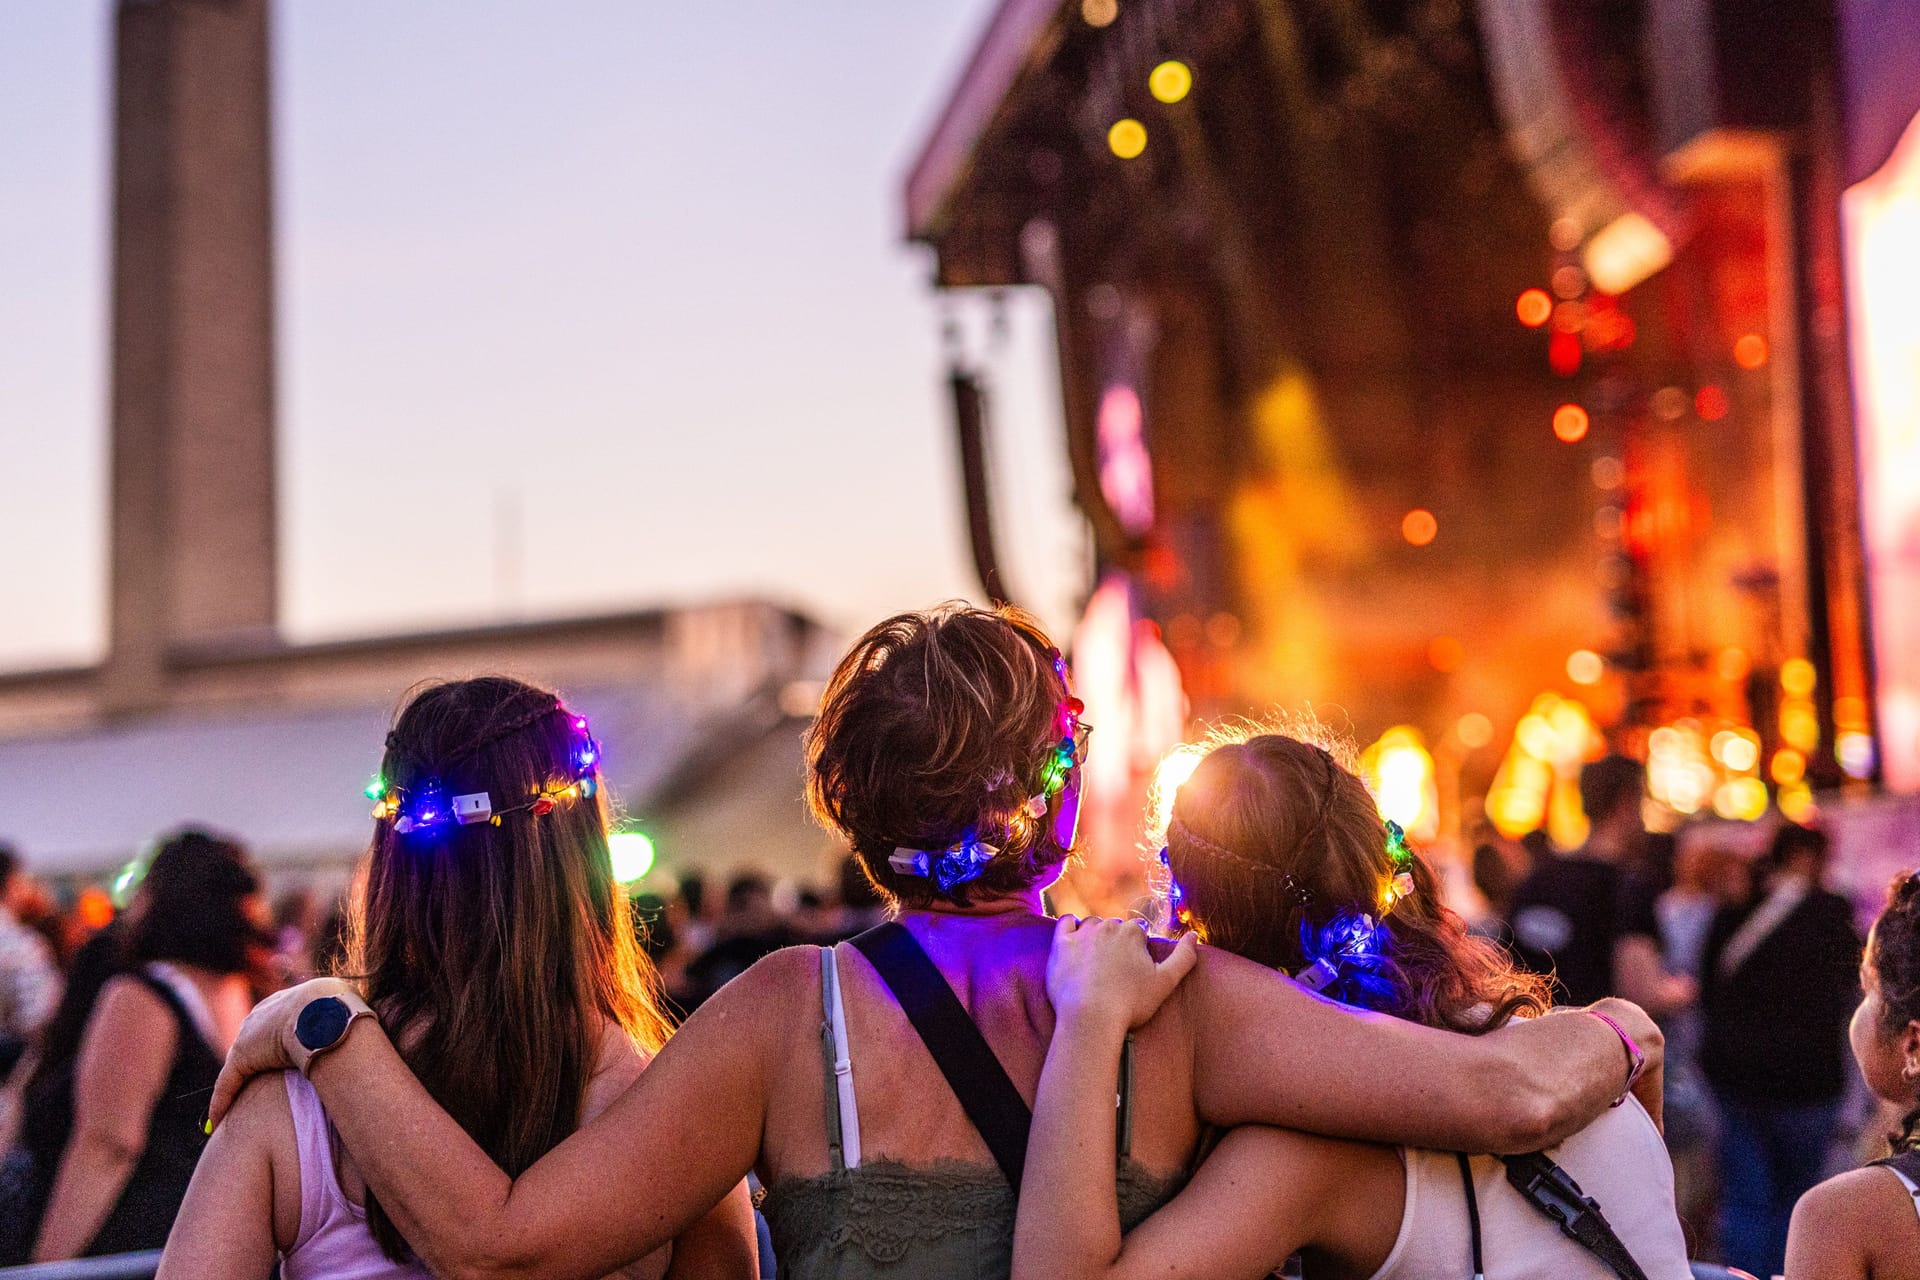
(1586, 920)
(1779, 983)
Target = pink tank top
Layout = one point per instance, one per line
(334, 1243)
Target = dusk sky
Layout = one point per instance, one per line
(631, 269)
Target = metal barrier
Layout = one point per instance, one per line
(1714, 1271)
(115, 1266)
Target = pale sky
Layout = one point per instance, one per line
(634, 269)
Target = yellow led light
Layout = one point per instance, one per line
(1170, 81)
(1127, 138)
(1797, 677)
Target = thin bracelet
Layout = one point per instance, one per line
(1636, 1058)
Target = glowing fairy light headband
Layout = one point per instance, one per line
(427, 809)
(1347, 948)
(965, 859)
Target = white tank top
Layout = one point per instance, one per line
(1619, 1160)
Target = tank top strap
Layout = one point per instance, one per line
(320, 1194)
(1905, 1166)
(843, 1110)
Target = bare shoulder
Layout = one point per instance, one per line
(1859, 1214)
(262, 1108)
(131, 1032)
(1307, 1162)
(618, 1062)
(772, 985)
(131, 1005)
(756, 1014)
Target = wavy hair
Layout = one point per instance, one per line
(1274, 842)
(938, 726)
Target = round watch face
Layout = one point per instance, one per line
(322, 1022)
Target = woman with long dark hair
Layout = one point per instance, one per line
(493, 943)
(1275, 851)
(880, 1087)
(125, 1122)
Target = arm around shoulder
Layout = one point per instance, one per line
(657, 1160)
(1267, 1051)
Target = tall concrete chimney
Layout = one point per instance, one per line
(193, 401)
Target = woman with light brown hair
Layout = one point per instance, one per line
(880, 1087)
(1275, 851)
(490, 938)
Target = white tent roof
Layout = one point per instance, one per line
(286, 782)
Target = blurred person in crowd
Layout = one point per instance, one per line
(503, 959)
(46, 1101)
(328, 953)
(1779, 981)
(1275, 850)
(1866, 1223)
(696, 927)
(29, 982)
(1707, 879)
(1584, 918)
(296, 920)
(751, 928)
(861, 904)
(152, 1047)
(1499, 867)
(948, 752)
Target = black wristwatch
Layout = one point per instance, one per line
(323, 1024)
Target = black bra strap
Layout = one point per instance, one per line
(985, 1091)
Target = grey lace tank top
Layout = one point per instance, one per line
(883, 1220)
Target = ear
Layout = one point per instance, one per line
(1909, 1040)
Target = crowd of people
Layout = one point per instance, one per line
(492, 1059)
(1750, 963)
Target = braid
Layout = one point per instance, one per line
(538, 705)
(544, 705)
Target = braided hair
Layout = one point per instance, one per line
(1275, 850)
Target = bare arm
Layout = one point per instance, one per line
(724, 1243)
(1238, 1218)
(1268, 1052)
(1102, 980)
(125, 1056)
(1640, 975)
(225, 1230)
(655, 1162)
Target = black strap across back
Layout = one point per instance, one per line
(985, 1091)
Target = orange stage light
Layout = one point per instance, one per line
(1534, 308)
(1750, 352)
(1419, 527)
(1570, 423)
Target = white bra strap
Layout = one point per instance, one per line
(842, 1063)
(1913, 1189)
